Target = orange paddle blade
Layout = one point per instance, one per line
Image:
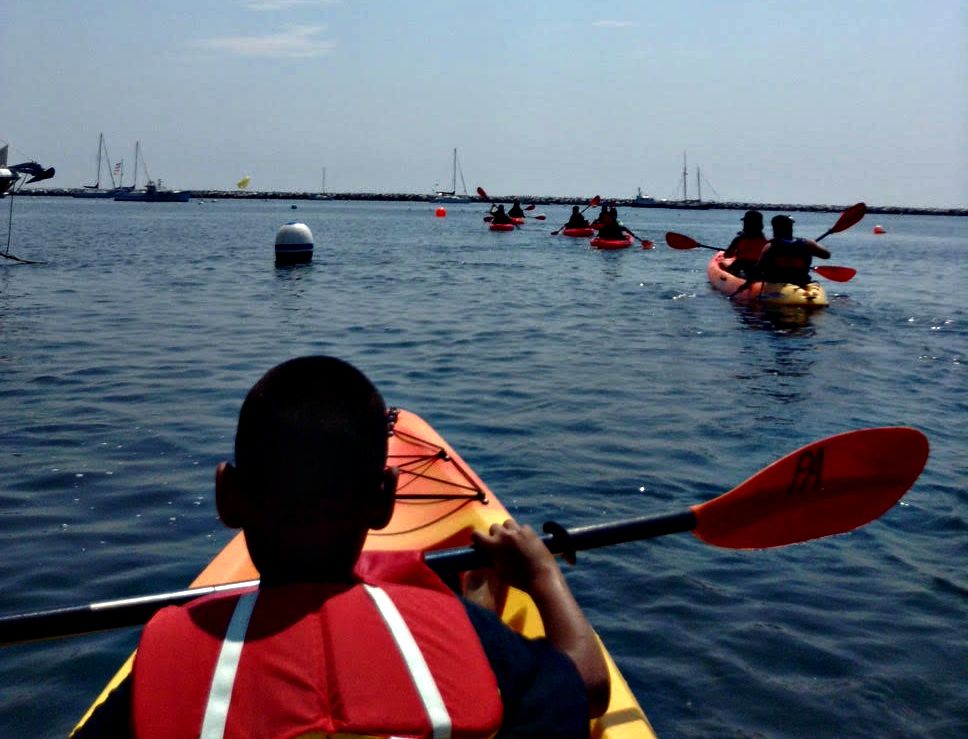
(827, 487)
(837, 274)
(849, 217)
(482, 194)
(680, 241)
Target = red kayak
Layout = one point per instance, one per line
(579, 233)
(600, 243)
(517, 219)
(501, 227)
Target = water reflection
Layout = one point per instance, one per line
(787, 319)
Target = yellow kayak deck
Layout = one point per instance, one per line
(440, 500)
(811, 295)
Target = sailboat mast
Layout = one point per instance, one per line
(453, 178)
(685, 175)
(323, 190)
(698, 186)
(100, 148)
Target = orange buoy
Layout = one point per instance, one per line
(879, 229)
(441, 212)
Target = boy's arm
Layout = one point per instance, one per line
(816, 249)
(522, 560)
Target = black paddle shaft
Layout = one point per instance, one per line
(115, 614)
(568, 541)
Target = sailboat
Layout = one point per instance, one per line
(95, 191)
(154, 192)
(451, 196)
(321, 195)
(647, 201)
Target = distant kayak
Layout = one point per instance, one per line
(579, 233)
(812, 295)
(600, 243)
(502, 227)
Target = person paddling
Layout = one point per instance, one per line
(333, 639)
(747, 245)
(611, 228)
(516, 211)
(576, 220)
(498, 215)
(786, 258)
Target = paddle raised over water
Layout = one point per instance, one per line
(828, 487)
(837, 274)
(848, 218)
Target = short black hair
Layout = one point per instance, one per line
(312, 428)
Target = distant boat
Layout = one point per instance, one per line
(95, 191)
(647, 201)
(644, 201)
(154, 191)
(322, 194)
(451, 196)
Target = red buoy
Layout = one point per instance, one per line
(441, 212)
(878, 229)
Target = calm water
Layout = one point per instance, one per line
(583, 386)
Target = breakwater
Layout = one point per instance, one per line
(542, 200)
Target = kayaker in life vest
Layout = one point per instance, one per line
(498, 215)
(515, 211)
(576, 220)
(785, 258)
(335, 642)
(611, 228)
(747, 245)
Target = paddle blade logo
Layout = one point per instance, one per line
(808, 475)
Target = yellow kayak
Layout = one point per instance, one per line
(440, 500)
(811, 295)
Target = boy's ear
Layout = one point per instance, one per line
(228, 502)
(383, 511)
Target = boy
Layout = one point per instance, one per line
(319, 646)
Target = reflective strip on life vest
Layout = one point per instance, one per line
(423, 680)
(220, 695)
(226, 667)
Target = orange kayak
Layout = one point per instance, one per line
(599, 243)
(579, 233)
(440, 500)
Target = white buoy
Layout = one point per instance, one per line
(294, 244)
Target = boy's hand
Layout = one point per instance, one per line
(519, 556)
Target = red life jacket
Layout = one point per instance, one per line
(318, 659)
(748, 248)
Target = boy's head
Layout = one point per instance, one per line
(782, 227)
(310, 472)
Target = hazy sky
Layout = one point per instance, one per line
(811, 101)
